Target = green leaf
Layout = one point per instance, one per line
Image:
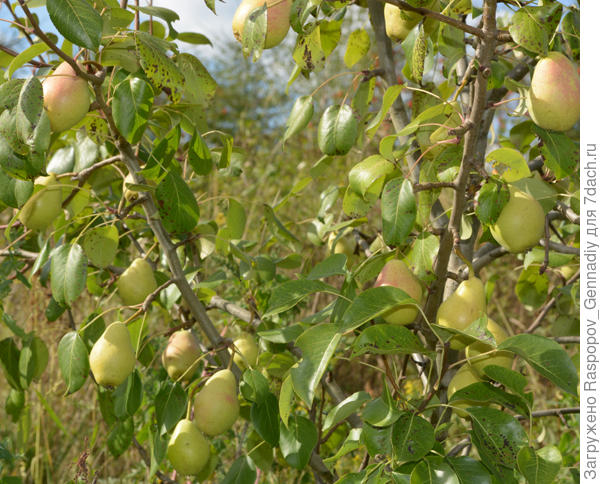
(300, 115)
(68, 272)
(372, 303)
(434, 470)
(356, 206)
(528, 32)
(9, 359)
(120, 437)
(560, 152)
(32, 360)
(309, 54)
(484, 393)
(254, 32)
(30, 110)
(338, 130)
(131, 105)
(166, 14)
(381, 412)
(389, 97)
(539, 466)
(317, 344)
(200, 87)
(532, 287)
(236, 219)
(199, 155)
(345, 408)
(159, 68)
(241, 472)
(366, 173)
(73, 361)
(265, 418)
(418, 55)
(290, 293)
(77, 21)
(177, 206)
(358, 46)
(497, 436)
(412, 437)
(128, 396)
(387, 339)
(398, 211)
(13, 192)
(170, 404)
(548, 357)
(25, 56)
(100, 245)
(194, 38)
(469, 470)
(490, 200)
(297, 441)
(331, 266)
(509, 163)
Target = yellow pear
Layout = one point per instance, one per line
(463, 307)
(44, 205)
(66, 98)
(112, 357)
(246, 345)
(520, 224)
(216, 406)
(136, 282)
(278, 19)
(182, 355)
(464, 377)
(396, 273)
(344, 245)
(553, 97)
(500, 358)
(188, 449)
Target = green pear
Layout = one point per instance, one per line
(464, 377)
(44, 205)
(345, 245)
(66, 98)
(182, 355)
(520, 224)
(396, 273)
(500, 358)
(112, 357)
(463, 307)
(101, 244)
(553, 97)
(136, 282)
(399, 23)
(216, 406)
(188, 449)
(278, 19)
(246, 345)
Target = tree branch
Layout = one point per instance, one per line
(552, 412)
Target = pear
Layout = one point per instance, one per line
(500, 358)
(395, 273)
(248, 348)
(112, 357)
(344, 245)
(188, 449)
(553, 97)
(278, 19)
(463, 307)
(182, 355)
(464, 377)
(44, 205)
(136, 282)
(66, 98)
(216, 406)
(399, 23)
(520, 224)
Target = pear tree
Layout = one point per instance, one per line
(359, 265)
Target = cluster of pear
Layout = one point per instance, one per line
(216, 405)
(462, 308)
(553, 96)
(278, 19)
